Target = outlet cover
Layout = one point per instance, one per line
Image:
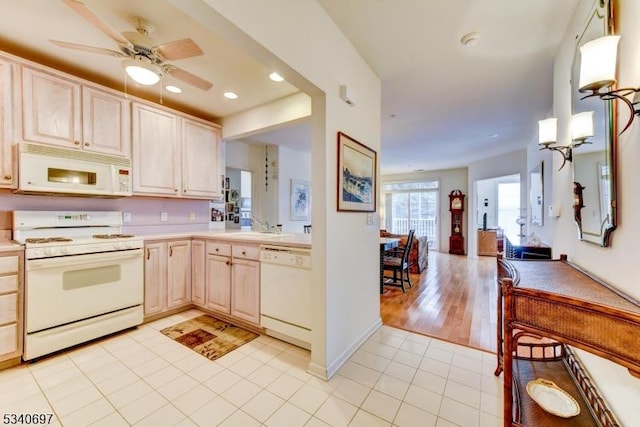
(164, 216)
(126, 217)
(192, 216)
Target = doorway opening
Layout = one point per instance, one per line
(238, 199)
(499, 204)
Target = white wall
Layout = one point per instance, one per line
(267, 117)
(293, 165)
(514, 163)
(238, 155)
(616, 264)
(450, 179)
(486, 189)
(299, 39)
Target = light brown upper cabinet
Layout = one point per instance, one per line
(200, 153)
(8, 174)
(58, 111)
(173, 155)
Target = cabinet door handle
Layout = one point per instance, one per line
(148, 253)
(7, 177)
(228, 262)
(170, 250)
(76, 142)
(86, 144)
(217, 249)
(175, 190)
(244, 253)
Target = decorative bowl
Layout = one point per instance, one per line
(552, 398)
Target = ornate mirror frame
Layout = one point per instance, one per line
(594, 164)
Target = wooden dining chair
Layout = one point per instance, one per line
(397, 260)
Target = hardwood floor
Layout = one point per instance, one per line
(453, 299)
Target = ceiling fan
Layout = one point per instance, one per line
(142, 59)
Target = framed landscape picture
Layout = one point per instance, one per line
(357, 168)
(300, 200)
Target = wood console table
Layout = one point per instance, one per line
(557, 300)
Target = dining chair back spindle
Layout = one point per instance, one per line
(397, 260)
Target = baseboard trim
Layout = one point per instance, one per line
(327, 372)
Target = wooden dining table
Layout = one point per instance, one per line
(386, 243)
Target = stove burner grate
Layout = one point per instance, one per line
(47, 239)
(111, 236)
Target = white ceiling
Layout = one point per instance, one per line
(26, 26)
(443, 105)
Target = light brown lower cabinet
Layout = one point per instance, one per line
(11, 295)
(487, 242)
(215, 275)
(227, 279)
(167, 276)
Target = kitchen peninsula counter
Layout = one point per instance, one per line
(296, 240)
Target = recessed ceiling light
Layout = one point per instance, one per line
(470, 39)
(276, 77)
(174, 89)
(495, 135)
(230, 95)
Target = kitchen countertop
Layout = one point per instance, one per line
(8, 245)
(285, 239)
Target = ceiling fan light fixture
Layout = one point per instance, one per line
(231, 95)
(142, 71)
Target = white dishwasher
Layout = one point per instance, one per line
(285, 293)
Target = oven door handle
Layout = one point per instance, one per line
(100, 258)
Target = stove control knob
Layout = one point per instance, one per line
(49, 251)
(65, 250)
(118, 245)
(37, 253)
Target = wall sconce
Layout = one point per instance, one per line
(581, 129)
(547, 135)
(598, 74)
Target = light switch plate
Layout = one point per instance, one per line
(126, 217)
(192, 216)
(164, 216)
(369, 219)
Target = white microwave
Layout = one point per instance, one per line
(51, 170)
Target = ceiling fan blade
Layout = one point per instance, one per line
(189, 78)
(82, 10)
(86, 48)
(179, 49)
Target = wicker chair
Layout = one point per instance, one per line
(397, 260)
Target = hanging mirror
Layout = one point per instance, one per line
(536, 194)
(594, 164)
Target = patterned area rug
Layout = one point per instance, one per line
(208, 336)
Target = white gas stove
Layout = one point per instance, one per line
(83, 277)
(48, 234)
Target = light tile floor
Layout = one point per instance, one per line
(143, 378)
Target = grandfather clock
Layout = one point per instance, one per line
(456, 207)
